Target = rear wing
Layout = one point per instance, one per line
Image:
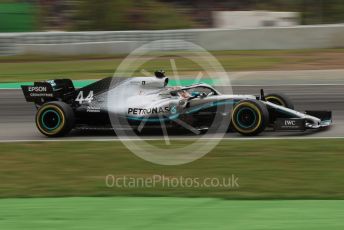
(41, 92)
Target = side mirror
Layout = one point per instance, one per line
(159, 74)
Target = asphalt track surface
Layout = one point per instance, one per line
(17, 116)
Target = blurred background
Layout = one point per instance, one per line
(86, 15)
(246, 24)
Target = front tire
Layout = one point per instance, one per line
(250, 117)
(280, 99)
(55, 119)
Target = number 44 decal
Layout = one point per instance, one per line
(80, 98)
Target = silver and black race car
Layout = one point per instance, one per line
(149, 102)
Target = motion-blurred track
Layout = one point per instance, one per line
(17, 116)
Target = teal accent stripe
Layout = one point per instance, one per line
(190, 111)
(82, 83)
(242, 125)
(153, 119)
(209, 105)
(58, 122)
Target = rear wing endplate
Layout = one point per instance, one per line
(39, 92)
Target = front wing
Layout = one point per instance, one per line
(311, 119)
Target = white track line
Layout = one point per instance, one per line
(268, 85)
(175, 138)
(247, 85)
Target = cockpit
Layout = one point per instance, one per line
(189, 92)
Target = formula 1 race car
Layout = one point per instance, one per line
(149, 102)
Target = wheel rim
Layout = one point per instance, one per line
(246, 117)
(50, 119)
(253, 121)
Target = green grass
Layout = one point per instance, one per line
(29, 68)
(279, 181)
(169, 213)
(269, 169)
(98, 68)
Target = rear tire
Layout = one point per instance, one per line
(250, 117)
(280, 99)
(55, 119)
